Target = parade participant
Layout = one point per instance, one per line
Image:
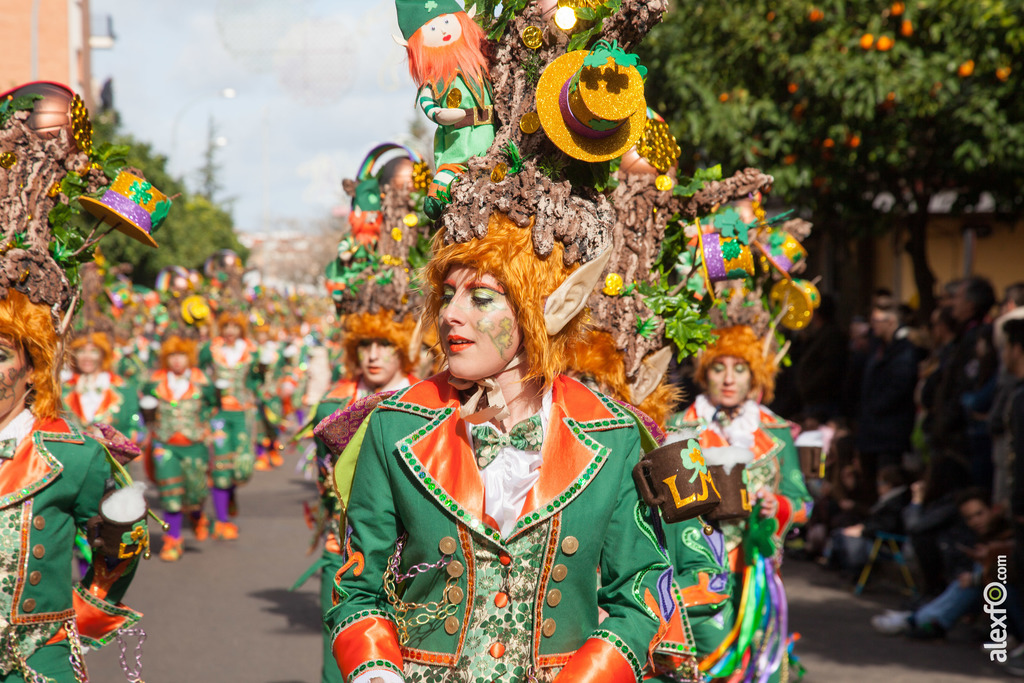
(53, 478)
(273, 367)
(376, 307)
(184, 401)
(230, 361)
(515, 460)
(732, 587)
(94, 393)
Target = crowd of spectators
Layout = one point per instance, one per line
(926, 419)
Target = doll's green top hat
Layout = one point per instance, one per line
(412, 14)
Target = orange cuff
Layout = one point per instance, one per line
(98, 620)
(599, 661)
(365, 641)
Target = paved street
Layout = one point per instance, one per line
(223, 614)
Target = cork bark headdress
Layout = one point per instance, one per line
(48, 162)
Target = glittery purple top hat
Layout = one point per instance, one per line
(132, 205)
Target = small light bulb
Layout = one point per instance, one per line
(565, 18)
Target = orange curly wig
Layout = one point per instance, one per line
(597, 356)
(100, 340)
(739, 341)
(507, 254)
(175, 344)
(380, 325)
(236, 318)
(31, 326)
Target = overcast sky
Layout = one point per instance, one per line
(318, 82)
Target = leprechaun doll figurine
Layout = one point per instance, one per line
(485, 497)
(448, 65)
(183, 400)
(230, 361)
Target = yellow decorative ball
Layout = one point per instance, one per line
(612, 284)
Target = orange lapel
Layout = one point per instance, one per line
(439, 454)
(568, 451)
(32, 467)
(73, 400)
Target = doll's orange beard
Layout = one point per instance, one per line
(365, 225)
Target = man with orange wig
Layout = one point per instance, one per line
(184, 402)
(231, 361)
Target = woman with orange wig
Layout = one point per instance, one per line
(230, 360)
(485, 496)
(738, 575)
(94, 393)
(183, 400)
(53, 476)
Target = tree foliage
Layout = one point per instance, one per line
(844, 100)
(194, 229)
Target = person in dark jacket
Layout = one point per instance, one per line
(930, 519)
(851, 545)
(887, 409)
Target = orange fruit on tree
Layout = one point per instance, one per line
(724, 97)
(897, 8)
(906, 28)
(770, 16)
(966, 69)
(1003, 73)
(815, 14)
(866, 41)
(829, 142)
(789, 159)
(884, 44)
(854, 141)
(792, 88)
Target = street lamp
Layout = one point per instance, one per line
(226, 93)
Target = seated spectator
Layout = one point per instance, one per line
(930, 518)
(851, 545)
(991, 537)
(840, 503)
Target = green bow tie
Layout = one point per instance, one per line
(487, 441)
(8, 448)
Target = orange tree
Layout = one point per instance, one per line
(863, 110)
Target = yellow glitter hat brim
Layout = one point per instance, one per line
(549, 91)
(119, 222)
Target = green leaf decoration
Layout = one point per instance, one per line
(729, 224)
(731, 249)
(513, 157)
(160, 213)
(22, 103)
(645, 327)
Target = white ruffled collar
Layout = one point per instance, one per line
(739, 431)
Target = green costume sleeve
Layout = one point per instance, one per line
(129, 421)
(631, 565)
(375, 528)
(205, 358)
(796, 506)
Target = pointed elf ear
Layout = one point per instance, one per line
(471, 12)
(568, 300)
(400, 41)
(651, 372)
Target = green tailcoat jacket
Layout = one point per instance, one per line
(474, 603)
(48, 491)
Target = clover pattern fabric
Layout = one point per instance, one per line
(512, 625)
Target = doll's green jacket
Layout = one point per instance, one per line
(49, 489)
(525, 605)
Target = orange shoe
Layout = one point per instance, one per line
(201, 528)
(262, 465)
(276, 459)
(171, 552)
(225, 531)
